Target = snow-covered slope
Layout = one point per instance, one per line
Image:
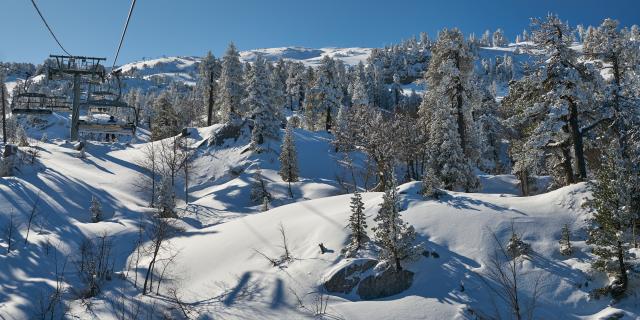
(308, 56)
(221, 261)
(219, 274)
(144, 73)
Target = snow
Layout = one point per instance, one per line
(308, 56)
(217, 259)
(218, 270)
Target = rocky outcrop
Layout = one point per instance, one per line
(360, 274)
(348, 277)
(385, 284)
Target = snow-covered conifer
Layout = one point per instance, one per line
(288, 159)
(498, 38)
(556, 106)
(565, 241)
(209, 70)
(613, 220)
(394, 236)
(430, 184)
(166, 122)
(357, 222)
(259, 188)
(230, 86)
(324, 97)
(445, 113)
(295, 85)
(266, 124)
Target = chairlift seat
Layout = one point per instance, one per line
(31, 111)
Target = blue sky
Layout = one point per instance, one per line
(189, 27)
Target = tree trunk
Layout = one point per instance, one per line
(524, 182)
(4, 116)
(576, 137)
(150, 268)
(327, 124)
(567, 166)
(460, 113)
(621, 266)
(210, 100)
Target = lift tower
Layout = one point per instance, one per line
(80, 68)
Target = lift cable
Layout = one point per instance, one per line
(124, 31)
(48, 27)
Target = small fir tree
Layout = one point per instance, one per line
(288, 159)
(394, 236)
(612, 222)
(259, 188)
(565, 241)
(357, 221)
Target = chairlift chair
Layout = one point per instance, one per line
(58, 104)
(102, 114)
(30, 103)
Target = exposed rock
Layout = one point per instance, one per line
(385, 284)
(231, 130)
(348, 277)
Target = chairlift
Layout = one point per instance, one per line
(58, 104)
(109, 117)
(30, 103)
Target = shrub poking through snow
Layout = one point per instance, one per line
(286, 253)
(95, 210)
(95, 264)
(516, 247)
(565, 241)
(21, 137)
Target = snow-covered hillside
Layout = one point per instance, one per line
(218, 272)
(185, 69)
(308, 56)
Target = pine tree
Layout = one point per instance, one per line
(288, 159)
(4, 105)
(622, 52)
(209, 70)
(95, 209)
(295, 85)
(498, 38)
(277, 93)
(556, 106)
(394, 236)
(259, 188)
(166, 119)
(430, 185)
(359, 93)
(260, 103)
(230, 86)
(565, 241)
(324, 97)
(445, 115)
(612, 221)
(357, 221)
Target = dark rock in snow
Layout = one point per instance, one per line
(385, 284)
(347, 278)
